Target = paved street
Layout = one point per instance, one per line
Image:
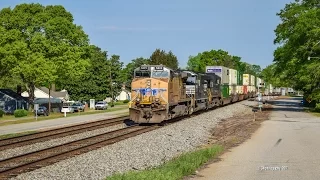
(45, 124)
(285, 147)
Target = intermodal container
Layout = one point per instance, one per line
(233, 77)
(240, 89)
(221, 71)
(232, 89)
(259, 81)
(239, 78)
(246, 79)
(245, 89)
(225, 91)
(253, 80)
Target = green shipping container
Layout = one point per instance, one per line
(225, 91)
(240, 78)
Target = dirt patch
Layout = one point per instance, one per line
(234, 131)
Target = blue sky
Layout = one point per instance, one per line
(134, 28)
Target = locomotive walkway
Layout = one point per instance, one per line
(285, 147)
(59, 122)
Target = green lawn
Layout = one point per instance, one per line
(184, 165)
(16, 134)
(7, 120)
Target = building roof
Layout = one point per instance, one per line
(56, 94)
(13, 94)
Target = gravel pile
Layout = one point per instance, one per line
(54, 142)
(146, 150)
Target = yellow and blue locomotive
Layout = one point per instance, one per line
(160, 93)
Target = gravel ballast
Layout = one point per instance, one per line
(146, 150)
(55, 142)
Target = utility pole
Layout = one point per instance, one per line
(111, 84)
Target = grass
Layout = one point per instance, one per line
(177, 168)
(7, 120)
(5, 136)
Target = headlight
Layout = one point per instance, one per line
(157, 99)
(138, 99)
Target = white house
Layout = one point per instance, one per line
(124, 94)
(43, 92)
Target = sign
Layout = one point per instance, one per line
(36, 107)
(214, 70)
(144, 68)
(158, 67)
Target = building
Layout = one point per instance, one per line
(43, 93)
(10, 101)
(124, 94)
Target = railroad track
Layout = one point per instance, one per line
(13, 166)
(28, 139)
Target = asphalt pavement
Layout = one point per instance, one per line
(286, 147)
(59, 122)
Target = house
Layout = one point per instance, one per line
(10, 101)
(43, 93)
(124, 94)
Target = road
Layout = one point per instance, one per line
(59, 122)
(286, 147)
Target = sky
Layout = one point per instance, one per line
(135, 28)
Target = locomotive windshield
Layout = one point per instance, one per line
(138, 74)
(160, 74)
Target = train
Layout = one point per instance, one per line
(160, 93)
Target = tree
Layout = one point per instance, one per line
(94, 83)
(219, 57)
(115, 77)
(297, 35)
(41, 44)
(167, 59)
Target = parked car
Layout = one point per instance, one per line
(42, 111)
(101, 105)
(78, 107)
(67, 109)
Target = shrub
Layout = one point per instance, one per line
(317, 108)
(125, 101)
(20, 113)
(1, 113)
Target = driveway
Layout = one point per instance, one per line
(285, 147)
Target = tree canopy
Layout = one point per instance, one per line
(298, 37)
(220, 57)
(41, 44)
(167, 59)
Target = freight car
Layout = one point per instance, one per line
(160, 93)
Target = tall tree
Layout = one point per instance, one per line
(41, 44)
(297, 36)
(167, 59)
(115, 77)
(94, 83)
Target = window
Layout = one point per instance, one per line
(160, 74)
(228, 72)
(142, 74)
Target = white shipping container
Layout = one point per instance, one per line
(240, 89)
(232, 77)
(246, 79)
(221, 71)
(232, 89)
(252, 81)
(259, 81)
(270, 88)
